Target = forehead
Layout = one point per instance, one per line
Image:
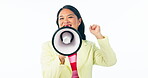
(66, 12)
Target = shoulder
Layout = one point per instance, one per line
(88, 43)
(46, 44)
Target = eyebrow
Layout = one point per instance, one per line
(67, 15)
(70, 14)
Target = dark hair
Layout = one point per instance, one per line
(81, 27)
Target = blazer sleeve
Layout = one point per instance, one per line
(51, 66)
(104, 55)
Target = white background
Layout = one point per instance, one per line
(26, 24)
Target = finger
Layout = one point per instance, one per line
(98, 27)
(94, 27)
(90, 27)
(62, 56)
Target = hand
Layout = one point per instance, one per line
(96, 31)
(62, 59)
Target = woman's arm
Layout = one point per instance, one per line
(104, 56)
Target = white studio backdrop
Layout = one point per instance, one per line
(26, 24)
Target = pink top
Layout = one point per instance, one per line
(73, 63)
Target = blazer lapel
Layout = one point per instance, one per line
(82, 54)
(68, 63)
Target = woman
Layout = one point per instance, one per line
(59, 66)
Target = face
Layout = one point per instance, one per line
(68, 18)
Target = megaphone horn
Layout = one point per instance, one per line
(66, 41)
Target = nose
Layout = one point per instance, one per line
(66, 21)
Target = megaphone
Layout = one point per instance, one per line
(66, 41)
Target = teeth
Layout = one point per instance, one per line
(68, 25)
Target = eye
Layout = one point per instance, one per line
(70, 17)
(61, 18)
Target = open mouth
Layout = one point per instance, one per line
(69, 25)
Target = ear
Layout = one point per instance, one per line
(79, 20)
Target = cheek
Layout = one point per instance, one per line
(74, 22)
(60, 23)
